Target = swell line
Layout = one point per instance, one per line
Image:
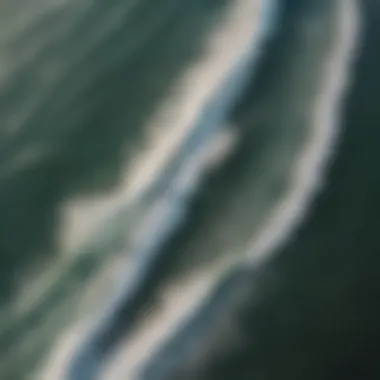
(311, 166)
(88, 361)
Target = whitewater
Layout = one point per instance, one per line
(113, 246)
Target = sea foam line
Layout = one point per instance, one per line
(173, 206)
(191, 167)
(310, 169)
(317, 152)
(84, 218)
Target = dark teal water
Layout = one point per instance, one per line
(289, 216)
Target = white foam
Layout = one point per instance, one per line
(309, 171)
(169, 126)
(197, 86)
(82, 217)
(308, 176)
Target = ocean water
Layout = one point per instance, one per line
(188, 189)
